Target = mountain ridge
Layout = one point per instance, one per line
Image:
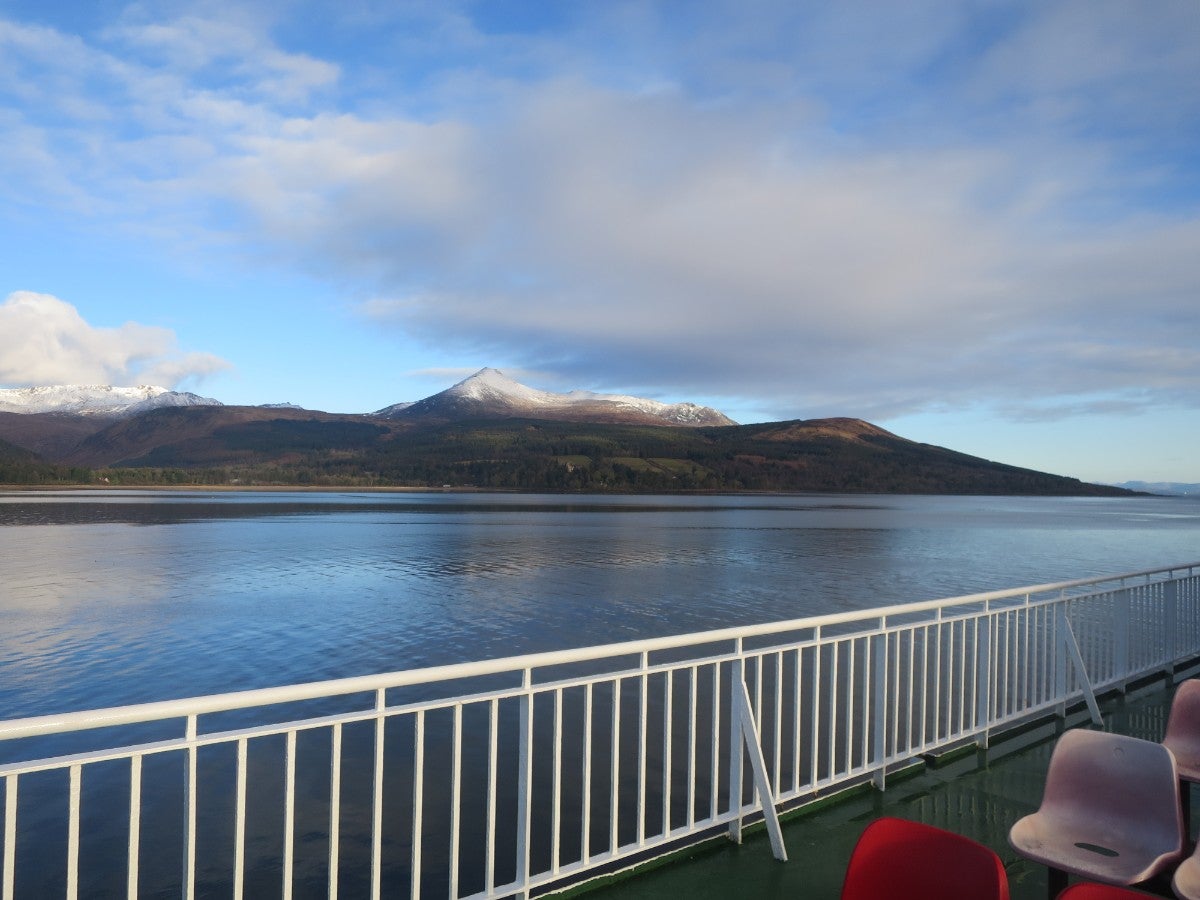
(100, 400)
(491, 393)
(490, 432)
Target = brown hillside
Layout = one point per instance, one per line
(194, 435)
(843, 429)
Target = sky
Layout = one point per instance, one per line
(974, 223)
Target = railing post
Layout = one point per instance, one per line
(983, 681)
(189, 812)
(879, 654)
(525, 783)
(1059, 649)
(736, 683)
(1120, 627)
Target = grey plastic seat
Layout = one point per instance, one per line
(1110, 811)
(1183, 739)
(1186, 882)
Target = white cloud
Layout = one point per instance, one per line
(928, 212)
(234, 50)
(45, 341)
(662, 241)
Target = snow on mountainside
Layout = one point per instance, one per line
(492, 393)
(99, 400)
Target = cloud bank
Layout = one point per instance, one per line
(812, 211)
(45, 341)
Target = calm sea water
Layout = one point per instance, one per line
(118, 597)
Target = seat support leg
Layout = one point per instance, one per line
(1185, 801)
(1056, 882)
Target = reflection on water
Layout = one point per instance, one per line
(116, 597)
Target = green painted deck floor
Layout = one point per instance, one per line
(980, 795)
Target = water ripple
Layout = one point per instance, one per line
(128, 596)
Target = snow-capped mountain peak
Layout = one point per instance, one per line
(489, 392)
(492, 384)
(99, 400)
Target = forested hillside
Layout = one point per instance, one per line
(228, 447)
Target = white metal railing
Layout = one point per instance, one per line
(512, 776)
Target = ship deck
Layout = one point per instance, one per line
(977, 793)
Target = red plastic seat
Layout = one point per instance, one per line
(1110, 811)
(898, 859)
(1090, 890)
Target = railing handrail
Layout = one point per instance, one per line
(36, 726)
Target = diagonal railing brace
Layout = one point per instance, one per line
(758, 767)
(1072, 648)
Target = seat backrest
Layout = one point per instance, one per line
(897, 858)
(1130, 784)
(1183, 724)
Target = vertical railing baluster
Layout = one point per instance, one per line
(1003, 702)
(834, 718)
(418, 803)
(939, 630)
(983, 679)
(1045, 677)
(335, 806)
(1170, 625)
(850, 719)
(489, 882)
(73, 804)
(797, 734)
(524, 781)
(133, 861)
(289, 814)
(925, 686)
(814, 743)
(643, 724)
(879, 696)
(456, 739)
(778, 761)
(758, 693)
(189, 816)
(668, 699)
(615, 769)
(715, 760)
(953, 681)
(556, 805)
(585, 837)
(9, 871)
(1060, 657)
(377, 796)
(1014, 630)
(737, 681)
(1007, 706)
(911, 706)
(239, 821)
(894, 648)
(1026, 668)
(691, 798)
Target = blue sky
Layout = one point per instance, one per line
(976, 224)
